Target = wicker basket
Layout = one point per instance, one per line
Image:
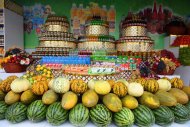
(14, 68)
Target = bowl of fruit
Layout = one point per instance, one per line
(15, 62)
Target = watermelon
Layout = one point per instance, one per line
(16, 112)
(100, 115)
(188, 105)
(124, 117)
(56, 115)
(36, 111)
(79, 115)
(144, 117)
(181, 113)
(3, 108)
(163, 115)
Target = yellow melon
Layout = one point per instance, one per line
(90, 98)
(112, 102)
(186, 89)
(150, 100)
(69, 100)
(102, 87)
(129, 102)
(180, 95)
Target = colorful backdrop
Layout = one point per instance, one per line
(36, 11)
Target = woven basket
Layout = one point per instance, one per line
(14, 68)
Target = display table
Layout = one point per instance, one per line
(5, 123)
(4, 75)
(169, 76)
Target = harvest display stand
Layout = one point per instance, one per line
(109, 94)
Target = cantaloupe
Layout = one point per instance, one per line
(112, 102)
(12, 97)
(129, 102)
(150, 100)
(49, 97)
(90, 98)
(186, 89)
(69, 100)
(28, 97)
(2, 95)
(102, 87)
(180, 95)
(166, 98)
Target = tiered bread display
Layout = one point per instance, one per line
(134, 36)
(56, 40)
(97, 36)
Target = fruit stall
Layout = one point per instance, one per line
(95, 79)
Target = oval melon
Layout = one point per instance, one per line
(150, 100)
(28, 97)
(69, 100)
(186, 89)
(49, 97)
(12, 97)
(129, 102)
(90, 98)
(91, 84)
(166, 98)
(2, 95)
(102, 87)
(112, 102)
(50, 84)
(180, 95)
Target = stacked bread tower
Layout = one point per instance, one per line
(97, 36)
(56, 40)
(134, 35)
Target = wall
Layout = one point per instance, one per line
(62, 7)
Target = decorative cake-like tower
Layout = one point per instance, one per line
(56, 40)
(97, 36)
(134, 35)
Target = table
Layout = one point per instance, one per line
(26, 123)
(4, 75)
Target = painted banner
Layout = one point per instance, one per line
(35, 16)
(79, 15)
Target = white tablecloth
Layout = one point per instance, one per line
(5, 123)
(169, 76)
(4, 75)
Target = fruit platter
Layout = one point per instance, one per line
(39, 96)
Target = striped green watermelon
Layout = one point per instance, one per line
(124, 117)
(163, 115)
(181, 113)
(144, 117)
(36, 111)
(79, 115)
(16, 112)
(56, 115)
(100, 115)
(3, 108)
(188, 105)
